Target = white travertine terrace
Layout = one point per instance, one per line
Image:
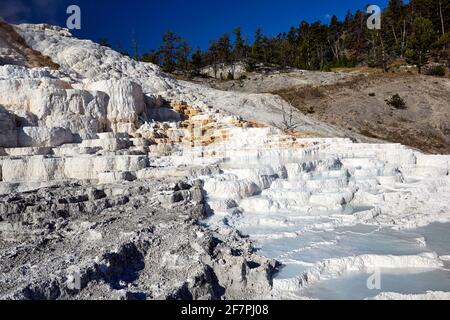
(103, 118)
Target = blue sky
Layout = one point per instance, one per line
(197, 21)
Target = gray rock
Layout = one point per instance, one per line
(43, 137)
(119, 243)
(8, 135)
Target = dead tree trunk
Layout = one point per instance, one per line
(403, 39)
(442, 18)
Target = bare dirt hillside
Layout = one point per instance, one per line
(360, 105)
(355, 101)
(266, 82)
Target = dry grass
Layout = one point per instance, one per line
(302, 134)
(359, 105)
(253, 124)
(359, 70)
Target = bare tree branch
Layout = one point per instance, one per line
(288, 123)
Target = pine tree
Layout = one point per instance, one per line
(416, 30)
(183, 51)
(151, 57)
(239, 45)
(104, 42)
(224, 48)
(135, 46)
(168, 51)
(197, 60)
(258, 43)
(420, 41)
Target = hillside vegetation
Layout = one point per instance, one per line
(418, 32)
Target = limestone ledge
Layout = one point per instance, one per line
(86, 167)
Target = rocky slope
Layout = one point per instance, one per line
(272, 80)
(118, 181)
(14, 50)
(360, 105)
(122, 241)
(355, 101)
(85, 211)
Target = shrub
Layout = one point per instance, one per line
(251, 66)
(371, 64)
(311, 110)
(438, 71)
(397, 102)
(326, 68)
(243, 77)
(230, 76)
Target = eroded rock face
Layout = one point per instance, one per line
(83, 112)
(8, 134)
(88, 60)
(109, 105)
(27, 94)
(122, 241)
(126, 103)
(48, 168)
(43, 137)
(15, 50)
(51, 103)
